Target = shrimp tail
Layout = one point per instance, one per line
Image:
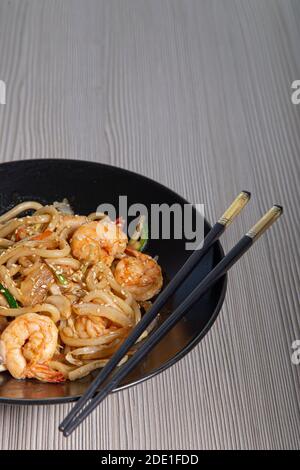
(44, 373)
(132, 251)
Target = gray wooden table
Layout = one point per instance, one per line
(197, 95)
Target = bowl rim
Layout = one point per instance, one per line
(181, 354)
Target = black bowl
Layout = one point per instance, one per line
(86, 185)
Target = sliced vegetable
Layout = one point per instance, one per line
(9, 297)
(144, 237)
(140, 237)
(61, 278)
(20, 233)
(42, 235)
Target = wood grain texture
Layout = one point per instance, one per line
(195, 94)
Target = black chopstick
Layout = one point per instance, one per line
(214, 234)
(220, 270)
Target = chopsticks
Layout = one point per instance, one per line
(214, 234)
(220, 270)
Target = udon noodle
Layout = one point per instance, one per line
(71, 289)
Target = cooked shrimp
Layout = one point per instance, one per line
(140, 274)
(90, 326)
(99, 240)
(3, 324)
(28, 342)
(85, 326)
